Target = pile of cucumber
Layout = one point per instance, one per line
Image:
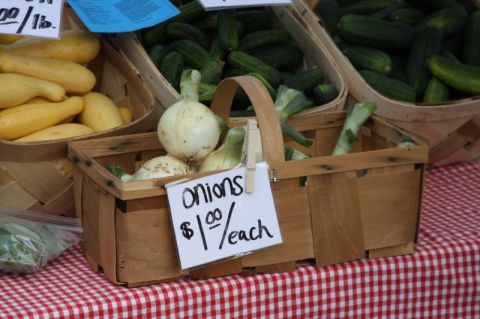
(413, 51)
(230, 43)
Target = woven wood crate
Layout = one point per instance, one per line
(315, 55)
(363, 204)
(451, 129)
(37, 175)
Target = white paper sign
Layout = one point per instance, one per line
(224, 4)
(214, 218)
(39, 18)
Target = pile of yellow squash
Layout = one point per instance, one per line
(45, 89)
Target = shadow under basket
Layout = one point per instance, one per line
(330, 208)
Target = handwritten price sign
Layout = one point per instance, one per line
(214, 218)
(31, 17)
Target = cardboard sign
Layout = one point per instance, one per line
(230, 4)
(40, 18)
(214, 218)
(110, 16)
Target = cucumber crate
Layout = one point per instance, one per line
(330, 209)
(287, 27)
(451, 128)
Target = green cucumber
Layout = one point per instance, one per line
(370, 31)
(156, 54)
(231, 72)
(211, 72)
(407, 15)
(172, 67)
(193, 53)
(189, 12)
(154, 36)
(449, 55)
(305, 80)
(245, 61)
(428, 41)
(367, 6)
(265, 83)
(389, 87)
(206, 92)
(282, 57)
(208, 23)
(463, 77)
(454, 45)
(368, 58)
(324, 93)
(254, 20)
(436, 91)
(471, 52)
(216, 50)
(385, 14)
(451, 21)
(181, 30)
(227, 30)
(328, 11)
(263, 39)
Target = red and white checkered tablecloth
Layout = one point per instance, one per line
(441, 280)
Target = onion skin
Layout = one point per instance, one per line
(188, 130)
(158, 167)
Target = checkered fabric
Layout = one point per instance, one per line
(441, 280)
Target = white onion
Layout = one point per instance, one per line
(161, 166)
(188, 130)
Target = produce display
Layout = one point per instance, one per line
(229, 43)
(412, 51)
(46, 89)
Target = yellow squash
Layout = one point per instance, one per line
(73, 77)
(126, 114)
(74, 45)
(100, 113)
(57, 132)
(25, 119)
(16, 89)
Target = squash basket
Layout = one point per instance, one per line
(451, 129)
(37, 176)
(330, 208)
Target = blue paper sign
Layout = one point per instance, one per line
(110, 16)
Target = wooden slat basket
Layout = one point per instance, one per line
(37, 175)
(451, 129)
(363, 204)
(315, 55)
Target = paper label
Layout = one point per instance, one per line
(110, 16)
(40, 18)
(229, 4)
(214, 218)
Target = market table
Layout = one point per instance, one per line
(441, 280)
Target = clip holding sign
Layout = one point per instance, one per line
(251, 154)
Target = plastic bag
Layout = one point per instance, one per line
(28, 240)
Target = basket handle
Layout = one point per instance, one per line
(272, 139)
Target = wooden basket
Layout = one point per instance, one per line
(363, 204)
(315, 55)
(37, 175)
(451, 129)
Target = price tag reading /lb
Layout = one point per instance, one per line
(214, 218)
(40, 18)
(230, 4)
